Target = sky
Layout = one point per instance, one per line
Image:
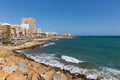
(79, 17)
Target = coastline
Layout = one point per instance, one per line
(47, 73)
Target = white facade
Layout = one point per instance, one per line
(51, 33)
(25, 28)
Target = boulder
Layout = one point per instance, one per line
(79, 79)
(38, 71)
(17, 60)
(35, 64)
(49, 74)
(34, 76)
(9, 62)
(3, 75)
(2, 61)
(59, 76)
(17, 75)
(45, 77)
(29, 74)
(22, 65)
(3, 54)
(10, 69)
(40, 77)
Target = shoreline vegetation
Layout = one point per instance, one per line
(14, 66)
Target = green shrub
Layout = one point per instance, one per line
(8, 42)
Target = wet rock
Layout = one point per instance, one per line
(10, 69)
(3, 75)
(17, 75)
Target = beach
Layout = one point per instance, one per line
(15, 66)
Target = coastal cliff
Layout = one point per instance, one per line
(19, 67)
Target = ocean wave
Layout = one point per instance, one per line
(111, 70)
(53, 60)
(19, 51)
(70, 59)
(48, 59)
(55, 39)
(49, 44)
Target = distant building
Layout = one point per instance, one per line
(32, 26)
(0, 31)
(18, 31)
(6, 31)
(38, 33)
(13, 31)
(66, 35)
(26, 30)
(53, 33)
(50, 34)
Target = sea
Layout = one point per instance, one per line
(93, 56)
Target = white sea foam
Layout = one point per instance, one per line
(52, 60)
(70, 59)
(55, 39)
(112, 71)
(18, 51)
(49, 44)
(48, 59)
(93, 73)
(92, 76)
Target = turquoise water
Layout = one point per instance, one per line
(94, 51)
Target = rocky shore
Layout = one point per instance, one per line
(15, 66)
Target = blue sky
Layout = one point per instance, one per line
(79, 17)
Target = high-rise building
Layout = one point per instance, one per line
(31, 23)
